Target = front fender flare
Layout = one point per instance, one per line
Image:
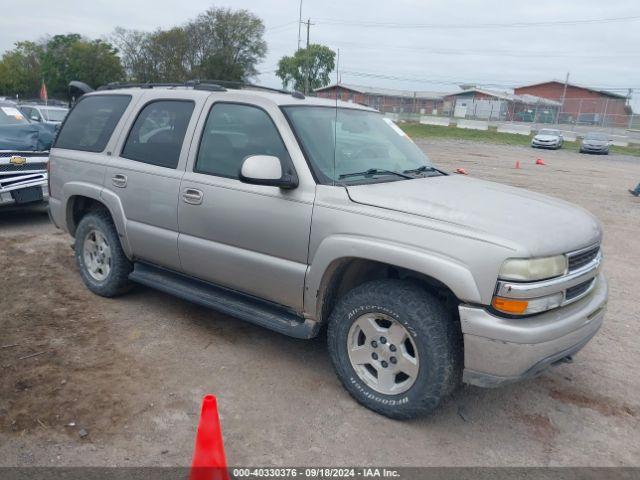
(449, 271)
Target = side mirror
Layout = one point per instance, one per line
(266, 170)
(35, 118)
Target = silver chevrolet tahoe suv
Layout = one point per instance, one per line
(296, 213)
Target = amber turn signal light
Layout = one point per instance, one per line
(508, 305)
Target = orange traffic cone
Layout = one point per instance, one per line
(461, 171)
(540, 162)
(209, 461)
(517, 164)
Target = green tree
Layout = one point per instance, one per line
(21, 70)
(220, 44)
(316, 61)
(228, 42)
(57, 61)
(71, 57)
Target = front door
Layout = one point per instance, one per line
(146, 178)
(251, 238)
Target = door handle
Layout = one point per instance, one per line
(192, 196)
(119, 180)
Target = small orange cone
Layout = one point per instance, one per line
(517, 164)
(540, 162)
(209, 461)
(461, 171)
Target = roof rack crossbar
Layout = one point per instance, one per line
(239, 85)
(117, 85)
(197, 84)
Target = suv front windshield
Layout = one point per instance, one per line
(349, 145)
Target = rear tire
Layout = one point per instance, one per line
(428, 359)
(104, 267)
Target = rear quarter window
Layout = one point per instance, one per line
(91, 122)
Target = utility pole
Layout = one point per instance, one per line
(306, 79)
(299, 24)
(564, 94)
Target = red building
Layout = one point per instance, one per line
(583, 105)
(384, 99)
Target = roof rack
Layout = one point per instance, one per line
(195, 84)
(239, 85)
(209, 85)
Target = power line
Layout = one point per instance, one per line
(486, 52)
(444, 26)
(280, 27)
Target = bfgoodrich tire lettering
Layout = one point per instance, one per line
(433, 331)
(99, 225)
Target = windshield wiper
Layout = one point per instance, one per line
(374, 171)
(422, 169)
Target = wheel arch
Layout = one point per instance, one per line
(82, 198)
(330, 276)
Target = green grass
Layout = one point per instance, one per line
(419, 131)
(631, 150)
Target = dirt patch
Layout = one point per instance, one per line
(60, 364)
(540, 425)
(603, 405)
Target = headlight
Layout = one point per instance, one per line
(529, 270)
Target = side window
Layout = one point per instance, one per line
(91, 122)
(157, 134)
(232, 133)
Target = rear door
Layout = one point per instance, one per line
(145, 173)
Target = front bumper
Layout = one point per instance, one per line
(501, 350)
(540, 144)
(594, 148)
(8, 200)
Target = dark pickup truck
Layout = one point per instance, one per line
(24, 155)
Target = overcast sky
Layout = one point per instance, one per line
(437, 57)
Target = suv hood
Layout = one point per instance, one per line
(540, 224)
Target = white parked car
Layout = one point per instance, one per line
(548, 138)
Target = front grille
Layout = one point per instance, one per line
(8, 167)
(579, 260)
(7, 154)
(579, 289)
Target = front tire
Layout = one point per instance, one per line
(104, 267)
(395, 348)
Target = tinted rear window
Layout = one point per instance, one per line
(157, 134)
(91, 122)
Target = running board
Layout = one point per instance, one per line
(224, 300)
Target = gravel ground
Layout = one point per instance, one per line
(131, 371)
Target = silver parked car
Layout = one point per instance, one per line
(548, 138)
(595, 142)
(293, 213)
(49, 114)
